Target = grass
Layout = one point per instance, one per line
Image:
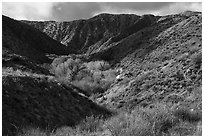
(159, 120)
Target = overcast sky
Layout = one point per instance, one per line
(68, 11)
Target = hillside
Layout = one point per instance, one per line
(24, 40)
(146, 69)
(164, 63)
(31, 96)
(88, 36)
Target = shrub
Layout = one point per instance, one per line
(91, 124)
(128, 124)
(188, 114)
(161, 118)
(182, 129)
(68, 69)
(196, 58)
(98, 65)
(88, 86)
(58, 61)
(92, 77)
(31, 131)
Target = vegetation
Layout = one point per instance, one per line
(159, 120)
(92, 77)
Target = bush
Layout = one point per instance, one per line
(188, 114)
(58, 61)
(125, 124)
(31, 131)
(90, 87)
(68, 69)
(92, 77)
(161, 118)
(196, 58)
(98, 65)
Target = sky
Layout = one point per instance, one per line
(68, 11)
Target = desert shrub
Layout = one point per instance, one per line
(90, 87)
(161, 118)
(189, 115)
(92, 77)
(32, 131)
(84, 73)
(93, 82)
(68, 69)
(66, 131)
(128, 124)
(196, 58)
(91, 124)
(46, 66)
(98, 65)
(58, 61)
(182, 129)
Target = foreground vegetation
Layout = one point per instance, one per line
(159, 120)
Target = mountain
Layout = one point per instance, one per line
(22, 39)
(157, 61)
(104, 36)
(87, 36)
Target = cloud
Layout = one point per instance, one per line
(68, 11)
(156, 8)
(72, 11)
(27, 11)
(180, 7)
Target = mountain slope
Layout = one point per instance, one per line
(106, 36)
(82, 34)
(24, 40)
(34, 100)
(31, 96)
(166, 64)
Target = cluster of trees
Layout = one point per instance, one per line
(92, 77)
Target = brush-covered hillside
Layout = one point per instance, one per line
(143, 74)
(31, 96)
